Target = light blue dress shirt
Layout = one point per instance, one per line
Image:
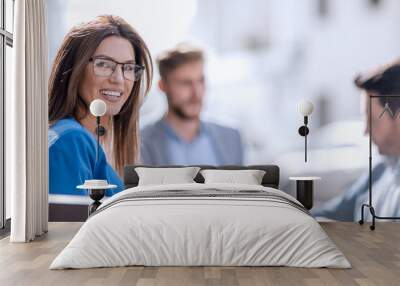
(385, 195)
(199, 151)
(213, 145)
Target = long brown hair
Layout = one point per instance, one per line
(74, 54)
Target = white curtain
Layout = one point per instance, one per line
(26, 124)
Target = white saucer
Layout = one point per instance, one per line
(304, 178)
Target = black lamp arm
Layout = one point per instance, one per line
(98, 137)
(303, 131)
(100, 131)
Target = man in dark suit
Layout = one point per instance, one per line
(180, 137)
(385, 116)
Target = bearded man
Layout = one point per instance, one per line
(181, 137)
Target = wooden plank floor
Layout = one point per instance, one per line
(375, 257)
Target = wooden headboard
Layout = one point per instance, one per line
(270, 179)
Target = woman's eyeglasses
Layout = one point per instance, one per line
(106, 67)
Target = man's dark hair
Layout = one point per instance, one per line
(383, 81)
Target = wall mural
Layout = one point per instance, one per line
(224, 89)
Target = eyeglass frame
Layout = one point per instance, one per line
(142, 68)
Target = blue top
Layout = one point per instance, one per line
(213, 145)
(72, 160)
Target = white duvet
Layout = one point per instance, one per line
(200, 231)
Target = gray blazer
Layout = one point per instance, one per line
(226, 141)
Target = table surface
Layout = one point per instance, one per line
(304, 178)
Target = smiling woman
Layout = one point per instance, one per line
(102, 59)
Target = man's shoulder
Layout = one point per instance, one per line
(150, 130)
(220, 128)
(228, 143)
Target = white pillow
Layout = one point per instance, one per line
(248, 177)
(162, 176)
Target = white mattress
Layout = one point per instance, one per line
(185, 231)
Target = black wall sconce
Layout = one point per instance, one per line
(305, 108)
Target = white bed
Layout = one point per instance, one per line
(249, 225)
